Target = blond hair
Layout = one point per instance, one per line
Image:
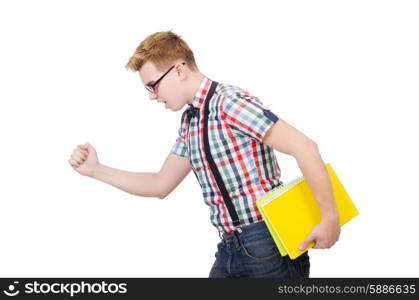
(162, 49)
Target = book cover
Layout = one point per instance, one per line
(290, 212)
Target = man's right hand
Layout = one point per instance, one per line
(84, 160)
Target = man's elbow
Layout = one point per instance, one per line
(306, 148)
(162, 194)
(312, 144)
(160, 190)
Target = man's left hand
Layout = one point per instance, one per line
(324, 234)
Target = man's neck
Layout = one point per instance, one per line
(196, 80)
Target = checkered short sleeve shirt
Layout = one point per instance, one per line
(237, 123)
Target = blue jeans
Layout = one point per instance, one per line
(253, 253)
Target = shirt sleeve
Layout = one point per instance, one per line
(246, 115)
(179, 148)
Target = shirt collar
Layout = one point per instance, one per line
(201, 93)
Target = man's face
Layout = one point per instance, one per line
(168, 90)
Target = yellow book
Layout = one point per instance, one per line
(290, 212)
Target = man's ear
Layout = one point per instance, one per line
(181, 71)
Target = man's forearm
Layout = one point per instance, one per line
(314, 171)
(136, 183)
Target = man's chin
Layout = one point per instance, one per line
(176, 109)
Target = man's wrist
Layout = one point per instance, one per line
(95, 171)
(331, 216)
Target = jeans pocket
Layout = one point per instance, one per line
(304, 265)
(300, 265)
(259, 249)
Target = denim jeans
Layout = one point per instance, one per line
(253, 253)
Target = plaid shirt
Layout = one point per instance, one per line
(237, 123)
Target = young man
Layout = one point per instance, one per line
(242, 135)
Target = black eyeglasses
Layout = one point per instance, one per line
(152, 87)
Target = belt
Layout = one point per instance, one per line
(226, 235)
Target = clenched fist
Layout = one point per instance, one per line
(84, 159)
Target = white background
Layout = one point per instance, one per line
(345, 73)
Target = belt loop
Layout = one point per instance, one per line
(236, 240)
(220, 235)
